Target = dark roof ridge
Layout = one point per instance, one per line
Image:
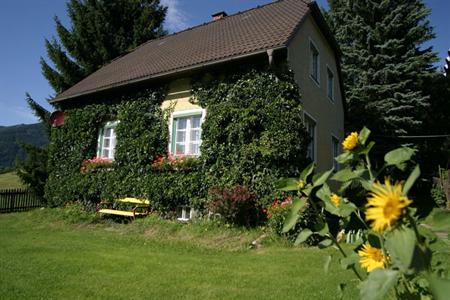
(185, 30)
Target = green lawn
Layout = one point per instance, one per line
(43, 256)
(10, 181)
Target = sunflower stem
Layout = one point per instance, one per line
(345, 255)
(369, 166)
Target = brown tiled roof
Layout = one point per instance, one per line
(245, 33)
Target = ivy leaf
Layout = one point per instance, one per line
(293, 216)
(303, 236)
(378, 284)
(400, 244)
(363, 136)
(398, 157)
(411, 180)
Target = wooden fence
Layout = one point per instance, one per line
(13, 200)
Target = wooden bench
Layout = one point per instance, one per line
(141, 208)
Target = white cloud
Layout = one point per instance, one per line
(176, 18)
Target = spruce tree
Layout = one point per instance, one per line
(384, 65)
(100, 31)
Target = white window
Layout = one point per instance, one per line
(186, 134)
(315, 62)
(330, 84)
(335, 152)
(311, 129)
(185, 213)
(107, 140)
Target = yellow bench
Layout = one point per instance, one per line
(142, 208)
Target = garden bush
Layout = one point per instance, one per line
(236, 205)
(278, 212)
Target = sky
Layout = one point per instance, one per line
(25, 24)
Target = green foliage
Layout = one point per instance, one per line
(33, 170)
(395, 252)
(100, 31)
(12, 136)
(438, 189)
(286, 207)
(254, 130)
(384, 66)
(236, 205)
(262, 137)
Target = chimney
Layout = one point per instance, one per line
(219, 15)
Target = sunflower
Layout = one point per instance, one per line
(350, 142)
(371, 258)
(335, 199)
(301, 184)
(385, 205)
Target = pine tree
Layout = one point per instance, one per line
(384, 66)
(100, 31)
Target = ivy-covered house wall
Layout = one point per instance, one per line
(252, 133)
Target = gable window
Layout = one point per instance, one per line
(311, 130)
(186, 133)
(107, 140)
(315, 62)
(335, 152)
(330, 84)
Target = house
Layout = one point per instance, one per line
(291, 32)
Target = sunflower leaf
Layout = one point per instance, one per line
(400, 244)
(303, 236)
(399, 156)
(439, 287)
(307, 171)
(363, 136)
(322, 178)
(411, 180)
(287, 184)
(293, 216)
(378, 284)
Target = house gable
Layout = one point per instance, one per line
(328, 112)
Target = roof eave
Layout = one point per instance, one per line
(164, 74)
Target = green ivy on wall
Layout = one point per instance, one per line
(252, 134)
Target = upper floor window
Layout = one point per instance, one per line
(311, 129)
(330, 84)
(186, 133)
(107, 140)
(315, 62)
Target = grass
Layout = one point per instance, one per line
(10, 181)
(46, 254)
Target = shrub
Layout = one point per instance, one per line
(438, 189)
(278, 212)
(237, 205)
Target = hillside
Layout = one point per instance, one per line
(12, 136)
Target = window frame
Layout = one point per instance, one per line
(329, 71)
(312, 46)
(307, 116)
(101, 139)
(173, 129)
(185, 216)
(335, 164)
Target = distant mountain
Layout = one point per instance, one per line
(12, 136)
